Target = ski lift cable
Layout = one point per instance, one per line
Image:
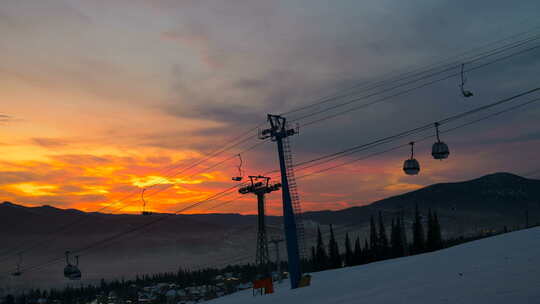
(210, 167)
(423, 77)
(503, 111)
(529, 39)
(86, 216)
(139, 231)
(303, 176)
(415, 71)
(461, 116)
(405, 75)
(137, 228)
(471, 69)
(422, 139)
(362, 158)
(362, 147)
(133, 193)
(413, 131)
(336, 155)
(213, 154)
(521, 43)
(449, 119)
(210, 155)
(404, 92)
(45, 241)
(242, 139)
(78, 221)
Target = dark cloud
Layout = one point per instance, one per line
(6, 118)
(49, 142)
(302, 56)
(12, 177)
(81, 159)
(222, 67)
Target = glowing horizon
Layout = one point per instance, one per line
(104, 99)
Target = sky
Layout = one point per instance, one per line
(102, 99)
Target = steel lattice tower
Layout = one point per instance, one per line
(260, 189)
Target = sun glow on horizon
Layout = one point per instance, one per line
(32, 189)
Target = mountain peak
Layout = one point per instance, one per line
(502, 175)
(10, 204)
(500, 178)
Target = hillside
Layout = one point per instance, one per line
(489, 202)
(501, 269)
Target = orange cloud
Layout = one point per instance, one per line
(402, 187)
(146, 181)
(33, 189)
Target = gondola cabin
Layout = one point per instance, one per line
(440, 150)
(411, 167)
(72, 271)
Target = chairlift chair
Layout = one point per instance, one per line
(72, 271)
(144, 212)
(411, 166)
(240, 171)
(439, 150)
(464, 92)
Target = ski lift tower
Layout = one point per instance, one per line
(276, 242)
(260, 186)
(279, 132)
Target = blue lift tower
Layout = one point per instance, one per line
(294, 230)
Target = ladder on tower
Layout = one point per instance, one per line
(295, 198)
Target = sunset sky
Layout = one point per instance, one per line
(101, 99)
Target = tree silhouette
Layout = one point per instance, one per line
(349, 255)
(383, 239)
(418, 232)
(333, 250)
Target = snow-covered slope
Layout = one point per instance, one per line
(501, 269)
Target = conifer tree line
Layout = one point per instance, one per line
(380, 245)
(128, 289)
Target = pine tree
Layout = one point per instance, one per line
(394, 242)
(367, 255)
(321, 256)
(349, 256)
(333, 250)
(383, 239)
(373, 240)
(313, 259)
(418, 232)
(438, 241)
(357, 252)
(404, 240)
(430, 241)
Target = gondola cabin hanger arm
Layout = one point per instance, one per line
(464, 92)
(240, 175)
(144, 212)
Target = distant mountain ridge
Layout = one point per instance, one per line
(44, 233)
(486, 199)
(491, 196)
